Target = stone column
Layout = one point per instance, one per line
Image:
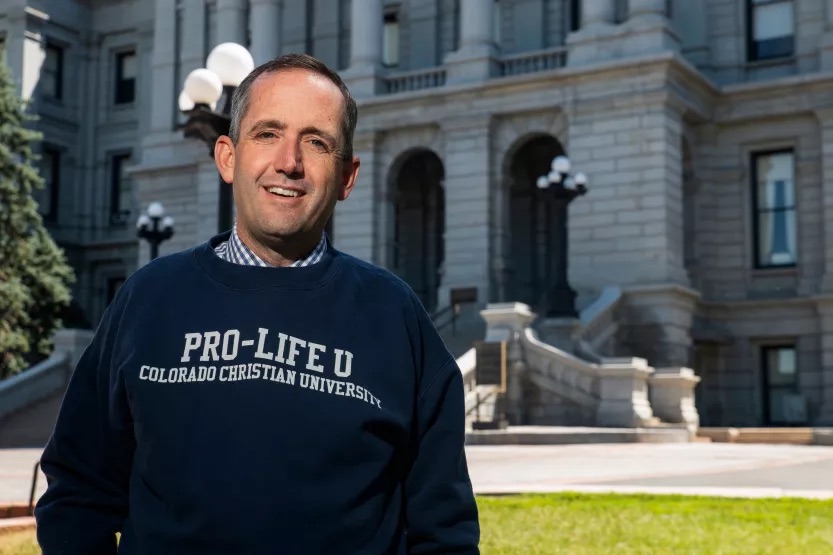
(474, 60)
(649, 29)
(265, 27)
(596, 40)
(597, 12)
(355, 222)
(475, 24)
(654, 9)
(366, 19)
(192, 55)
(163, 66)
(231, 22)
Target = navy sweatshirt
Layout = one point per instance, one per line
(245, 410)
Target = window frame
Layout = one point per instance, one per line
(58, 93)
(52, 189)
(116, 161)
(120, 80)
(763, 353)
(752, 54)
(394, 13)
(754, 156)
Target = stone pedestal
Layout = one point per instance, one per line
(504, 321)
(623, 394)
(672, 396)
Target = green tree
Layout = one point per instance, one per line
(35, 278)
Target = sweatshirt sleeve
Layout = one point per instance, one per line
(441, 508)
(87, 460)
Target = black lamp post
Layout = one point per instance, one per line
(155, 227)
(206, 88)
(559, 188)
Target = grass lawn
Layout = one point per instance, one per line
(584, 524)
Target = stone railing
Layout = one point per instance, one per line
(532, 62)
(598, 323)
(406, 81)
(613, 393)
(34, 384)
(47, 377)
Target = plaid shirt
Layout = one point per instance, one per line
(236, 252)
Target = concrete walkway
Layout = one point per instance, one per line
(722, 469)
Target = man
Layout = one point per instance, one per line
(264, 392)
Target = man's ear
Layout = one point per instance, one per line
(224, 158)
(349, 173)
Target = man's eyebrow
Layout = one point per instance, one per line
(267, 124)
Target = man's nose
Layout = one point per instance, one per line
(288, 156)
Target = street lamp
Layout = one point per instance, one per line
(227, 66)
(155, 227)
(560, 188)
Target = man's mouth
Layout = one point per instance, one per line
(281, 192)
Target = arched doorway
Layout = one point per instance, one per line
(529, 244)
(418, 201)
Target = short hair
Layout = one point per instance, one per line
(242, 95)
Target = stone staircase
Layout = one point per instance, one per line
(30, 401)
(565, 381)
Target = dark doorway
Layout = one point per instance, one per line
(418, 249)
(529, 242)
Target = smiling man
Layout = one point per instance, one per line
(296, 399)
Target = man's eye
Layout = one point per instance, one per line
(318, 143)
(266, 135)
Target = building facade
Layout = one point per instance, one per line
(705, 128)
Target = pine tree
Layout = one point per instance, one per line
(35, 278)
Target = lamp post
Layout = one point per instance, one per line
(559, 189)
(155, 227)
(227, 66)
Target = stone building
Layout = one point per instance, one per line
(705, 127)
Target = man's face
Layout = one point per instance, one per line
(288, 168)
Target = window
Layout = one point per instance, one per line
(575, 15)
(782, 402)
(120, 189)
(390, 39)
(775, 216)
(50, 172)
(126, 71)
(497, 36)
(52, 72)
(770, 29)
